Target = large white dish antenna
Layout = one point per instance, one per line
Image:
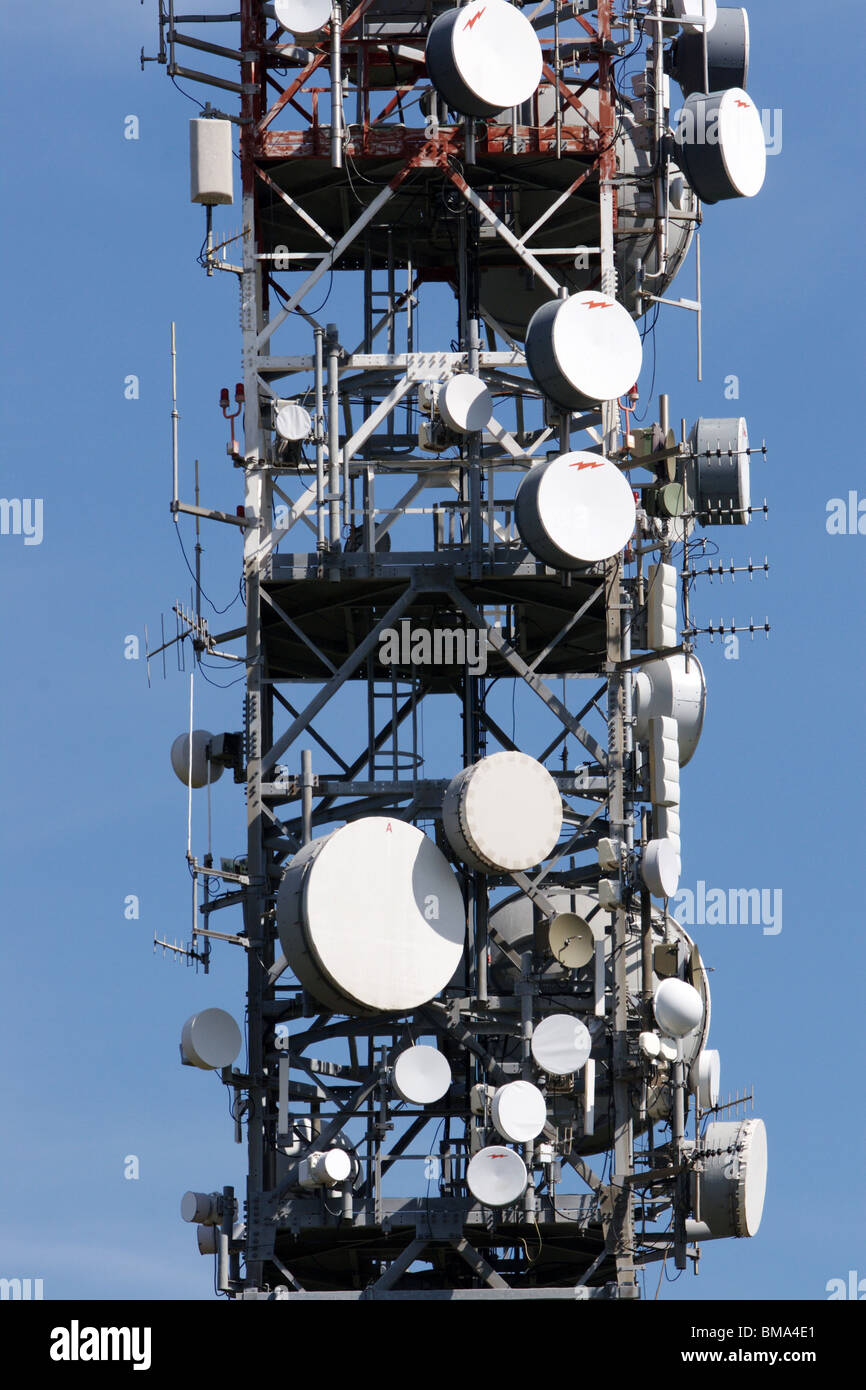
(707, 1073)
(421, 1075)
(201, 1207)
(496, 1176)
(668, 689)
(678, 1007)
(371, 917)
(734, 1178)
(328, 1168)
(561, 1044)
(650, 1045)
(583, 350)
(660, 868)
(721, 140)
(519, 1111)
(483, 57)
(727, 54)
(465, 403)
(719, 476)
(306, 19)
(293, 423)
(706, 9)
(206, 1239)
(210, 1040)
(503, 813)
(201, 770)
(575, 509)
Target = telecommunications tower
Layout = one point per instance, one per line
(475, 1061)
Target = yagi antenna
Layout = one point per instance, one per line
(729, 630)
(719, 571)
(179, 951)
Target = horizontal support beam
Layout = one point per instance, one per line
(579, 1294)
(204, 46)
(210, 515)
(391, 142)
(243, 88)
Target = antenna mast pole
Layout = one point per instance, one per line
(617, 620)
(258, 704)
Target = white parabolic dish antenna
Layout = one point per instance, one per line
(733, 164)
(561, 1044)
(198, 771)
(734, 1178)
(650, 1044)
(304, 18)
(421, 1075)
(210, 1039)
(327, 1169)
(519, 1111)
(678, 1007)
(293, 422)
(574, 509)
(719, 478)
(708, 1076)
(496, 1176)
(727, 54)
(583, 350)
(484, 57)
(660, 868)
(707, 8)
(465, 403)
(503, 813)
(371, 917)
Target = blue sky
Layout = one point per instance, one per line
(99, 245)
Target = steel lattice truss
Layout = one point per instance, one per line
(355, 175)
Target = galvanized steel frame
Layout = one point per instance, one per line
(260, 145)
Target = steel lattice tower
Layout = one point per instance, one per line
(354, 167)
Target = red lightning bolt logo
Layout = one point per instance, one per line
(595, 304)
(745, 104)
(586, 463)
(478, 13)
